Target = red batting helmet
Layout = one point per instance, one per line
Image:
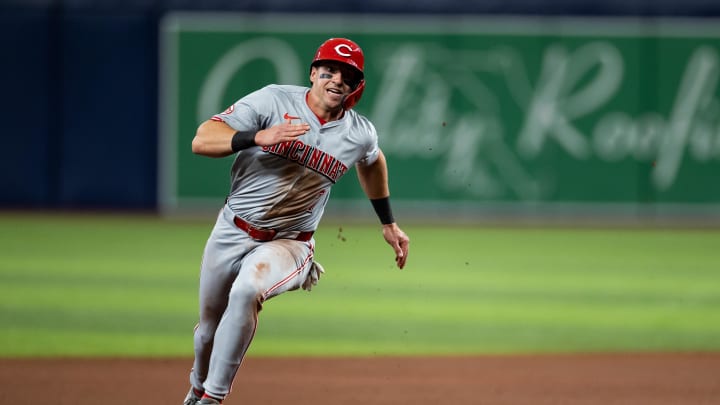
(348, 52)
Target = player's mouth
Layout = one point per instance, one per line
(333, 92)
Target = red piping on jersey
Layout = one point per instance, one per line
(290, 276)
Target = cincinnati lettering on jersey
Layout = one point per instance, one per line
(310, 157)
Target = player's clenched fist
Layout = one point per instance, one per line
(280, 133)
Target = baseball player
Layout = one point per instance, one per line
(292, 144)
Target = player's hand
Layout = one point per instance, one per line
(280, 133)
(399, 241)
(316, 270)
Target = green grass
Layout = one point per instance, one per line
(88, 285)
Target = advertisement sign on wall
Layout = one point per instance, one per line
(472, 111)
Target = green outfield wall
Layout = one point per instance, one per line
(603, 114)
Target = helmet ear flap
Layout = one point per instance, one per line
(354, 97)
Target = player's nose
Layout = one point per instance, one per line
(337, 78)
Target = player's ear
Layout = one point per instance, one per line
(313, 74)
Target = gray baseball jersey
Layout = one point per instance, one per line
(287, 186)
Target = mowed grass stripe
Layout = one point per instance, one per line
(127, 285)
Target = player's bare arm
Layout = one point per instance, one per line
(212, 139)
(218, 139)
(374, 181)
(374, 178)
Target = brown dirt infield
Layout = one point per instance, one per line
(632, 379)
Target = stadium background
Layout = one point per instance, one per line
(93, 303)
(83, 96)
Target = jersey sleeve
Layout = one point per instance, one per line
(373, 149)
(243, 115)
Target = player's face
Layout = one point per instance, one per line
(332, 82)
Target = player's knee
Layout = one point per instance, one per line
(246, 295)
(205, 338)
(205, 333)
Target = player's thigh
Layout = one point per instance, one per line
(277, 266)
(220, 265)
